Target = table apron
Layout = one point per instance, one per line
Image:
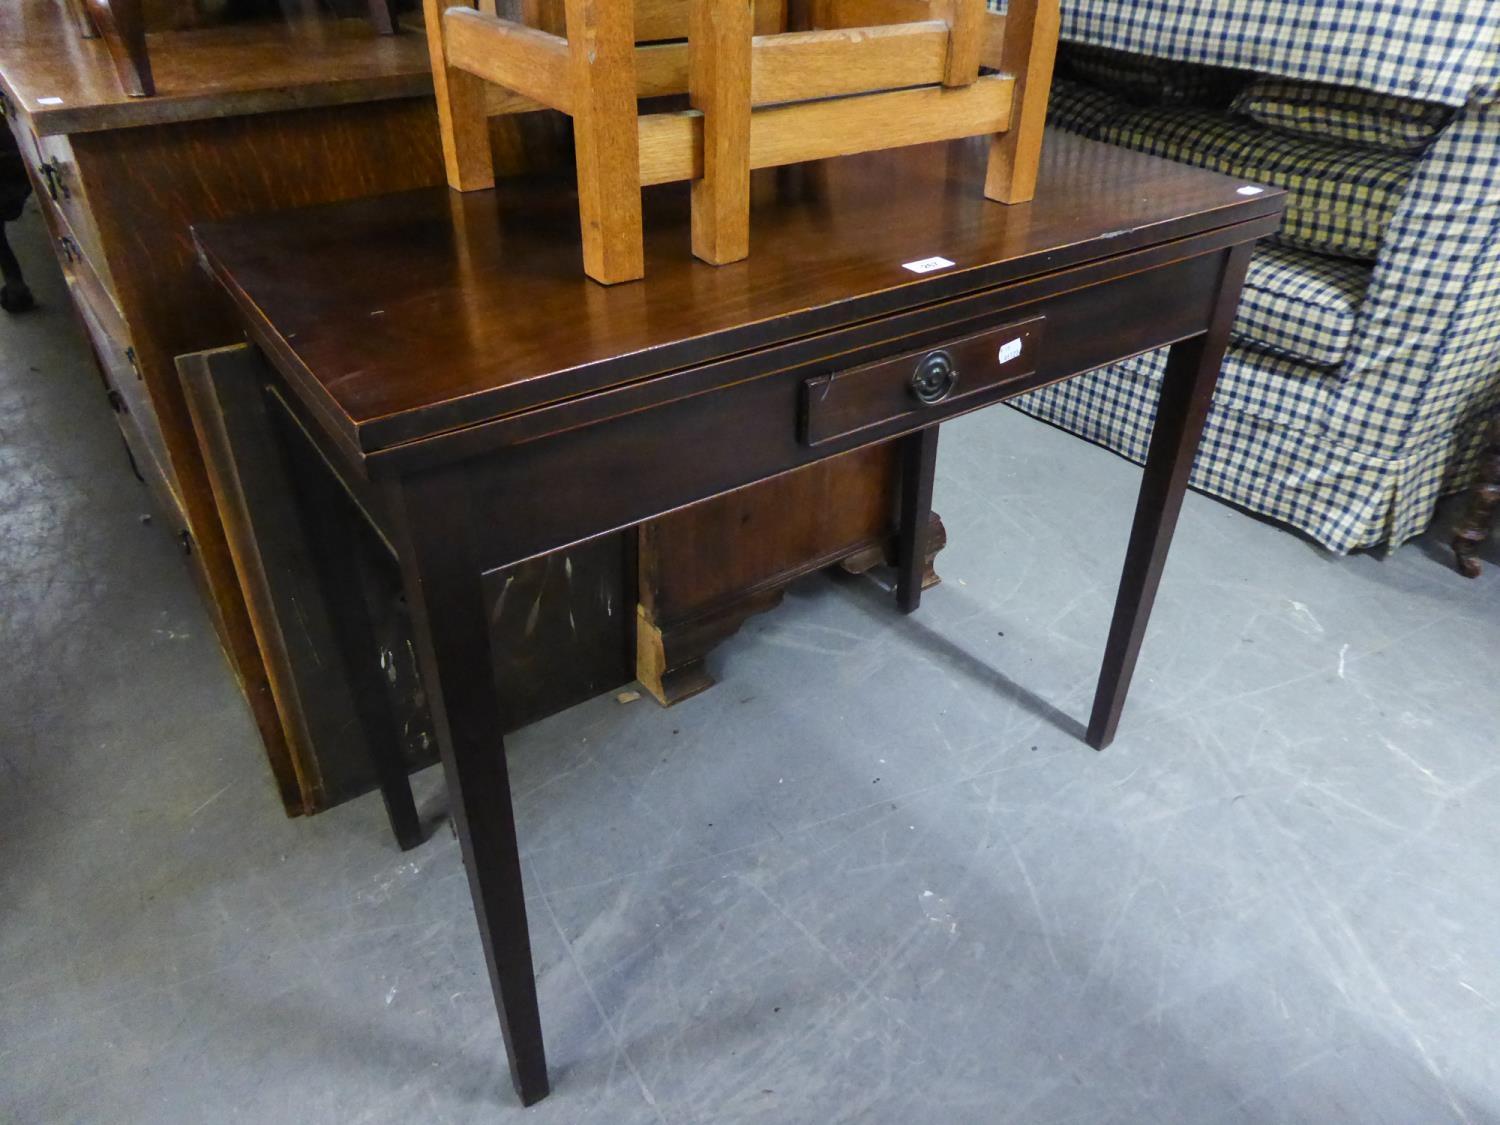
(569, 485)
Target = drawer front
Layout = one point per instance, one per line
(906, 386)
(128, 392)
(56, 173)
(79, 270)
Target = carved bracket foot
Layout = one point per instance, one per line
(1474, 528)
(669, 657)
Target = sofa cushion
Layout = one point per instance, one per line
(1301, 304)
(1342, 196)
(1081, 108)
(1147, 81)
(1341, 113)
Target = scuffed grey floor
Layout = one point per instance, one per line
(873, 876)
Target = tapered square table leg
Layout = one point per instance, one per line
(1186, 394)
(445, 588)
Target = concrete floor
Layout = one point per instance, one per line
(873, 876)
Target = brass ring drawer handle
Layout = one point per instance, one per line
(934, 378)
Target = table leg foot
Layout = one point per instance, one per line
(918, 467)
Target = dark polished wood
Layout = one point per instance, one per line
(1484, 497)
(918, 468)
(400, 381)
(342, 551)
(1186, 394)
(444, 579)
(497, 439)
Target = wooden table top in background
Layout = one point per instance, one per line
(406, 315)
(246, 67)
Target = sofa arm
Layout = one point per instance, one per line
(1427, 348)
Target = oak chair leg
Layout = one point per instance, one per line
(1029, 52)
(463, 121)
(122, 26)
(1484, 497)
(918, 467)
(1182, 409)
(446, 591)
(966, 24)
(601, 49)
(719, 44)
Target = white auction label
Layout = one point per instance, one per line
(1250, 189)
(1010, 349)
(926, 265)
(49, 101)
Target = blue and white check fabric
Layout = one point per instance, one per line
(1445, 51)
(1352, 397)
(1357, 454)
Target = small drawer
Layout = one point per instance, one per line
(845, 402)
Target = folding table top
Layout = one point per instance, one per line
(402, 316)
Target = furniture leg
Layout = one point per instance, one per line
(719, 39)
(463, 123)
(601, 48)
(446, 591)
(382, 14)
(1474, 528)
(339, 542)
(1186, 395)
(1029, 52)
(918, 465)
(122, 25)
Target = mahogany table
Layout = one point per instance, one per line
(486, 403)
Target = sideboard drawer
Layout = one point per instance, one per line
(61, 188)
(845, 402)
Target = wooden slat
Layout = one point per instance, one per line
(671, 144)
(668, 19)
(1030, 51)
(871, 13)
(965, 20)
(821, 64)
(499, 101)
(462, 117)
(522, 59)
(719, 52)
(661, 69)
(601, 49)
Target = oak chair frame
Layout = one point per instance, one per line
(867, 74)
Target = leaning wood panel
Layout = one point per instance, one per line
(800, 66)
(671, 144)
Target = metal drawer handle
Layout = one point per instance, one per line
(52, 174)
(934, 378)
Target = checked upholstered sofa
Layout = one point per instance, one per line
(1366, 356)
